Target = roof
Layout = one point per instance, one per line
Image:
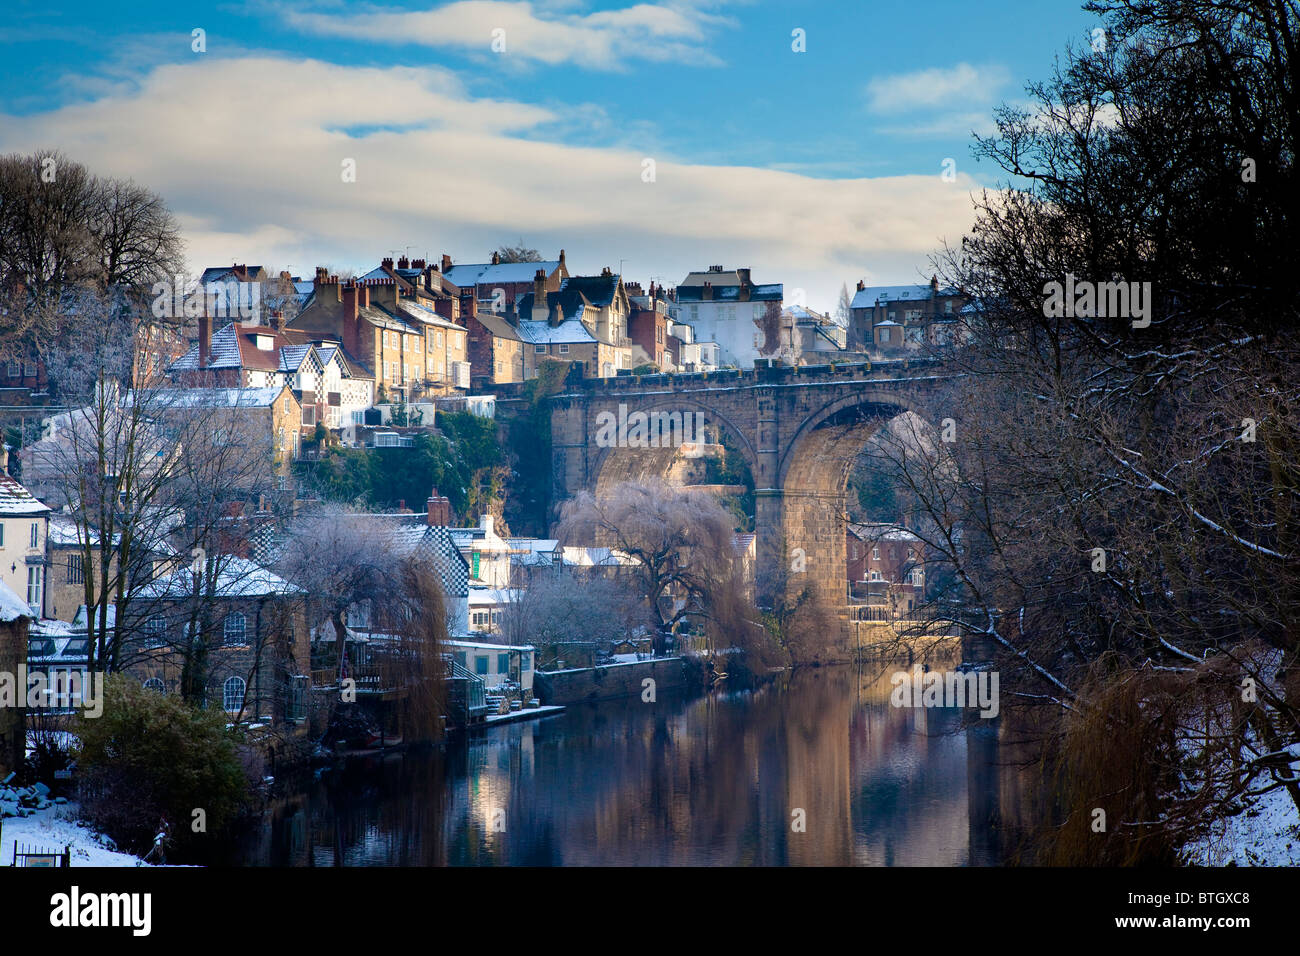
(485, 273)
(17, 500)
(569, 332)
(497, 326)
(867, 297)
(880, 531)
(427, 316)
(12, 607)
(598, 290)
(216, 397)
(772, 292)
(236, 578)
(235, 346)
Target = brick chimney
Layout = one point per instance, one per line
(351, 318)
(861, 285)
(322, 276)
(418, 264)
(277, 320)
(562, 266)
(468, 304)
(496, 258)
(707, 292)
(386, 263)
(934, 285)
(540, 311)
(446, 263)
(403, 263)
(439, 509)
(205, 339)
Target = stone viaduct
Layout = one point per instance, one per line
(800, 430)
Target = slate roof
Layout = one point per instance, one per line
(771, 292)
(221, 273)
(235, 347)
(427, 316)
(568, 332)
(485, 273)
(598, 290)
(213, 397)
(497, 326)
(867, 297)
(17, 500)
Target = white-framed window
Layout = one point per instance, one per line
(15, 369)
(540, 349)
(232, 694)
(286, 404)
(564, 349)
(36, 535)
(34, 583)
(884, 334)
(236, 627)
(875, 554)
(875, 576)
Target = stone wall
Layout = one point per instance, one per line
(611, 681)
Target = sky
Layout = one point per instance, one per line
(654, 138)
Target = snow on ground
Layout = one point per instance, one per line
(57, 827)
(1266, 834)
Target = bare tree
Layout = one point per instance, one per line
(518, 253)
(556, 606)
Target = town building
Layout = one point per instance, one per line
(498, 286)
(895, 319)
(745, 319)
(16, 616)
(24, 528)
(885, 568)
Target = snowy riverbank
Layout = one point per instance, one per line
(53, 829)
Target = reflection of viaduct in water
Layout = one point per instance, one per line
(799, 430)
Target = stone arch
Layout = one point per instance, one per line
(614, 465)
(808, 508)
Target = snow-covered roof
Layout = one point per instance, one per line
(485, 273)
(17, 500)
(487, 597)
(236, 578)
(569, 332)
(214, 397)
(869, 296)
(597, 557)
(427, 316)
(12, 607)
(489, 646)
(881, 531)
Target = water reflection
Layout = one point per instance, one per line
(711, 780)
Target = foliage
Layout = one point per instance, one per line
(518, 253)
(528, 500)
(151, 757)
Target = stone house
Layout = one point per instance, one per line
(896, 319)
(497, 286)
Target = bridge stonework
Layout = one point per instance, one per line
(800, 431)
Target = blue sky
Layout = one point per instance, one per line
(813, 168)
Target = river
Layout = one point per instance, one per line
(815, 768)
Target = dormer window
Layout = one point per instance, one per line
(265, 343)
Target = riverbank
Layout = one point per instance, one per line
(56, 828)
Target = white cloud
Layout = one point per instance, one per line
(534, 33)
(248, 153)
(939, 87)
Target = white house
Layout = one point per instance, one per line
(496, 663)
(744, 319)
(24, 527)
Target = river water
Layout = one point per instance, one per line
(815, 768)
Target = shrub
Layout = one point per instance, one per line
(150, 757)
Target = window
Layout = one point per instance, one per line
(875, 554)
(155, 684)
(235, 629)
(503, 663)
(525, 661)
(286, 404)
(35, 534)
(460, 658)
(295, 707)
(430, 341)
(564, 349)
(155, 632)
(2, 534)
(34, 586)
(540, 349)
(884, 335)
(76, 570)
(481, 665)
(14, 370)
(232, 694)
